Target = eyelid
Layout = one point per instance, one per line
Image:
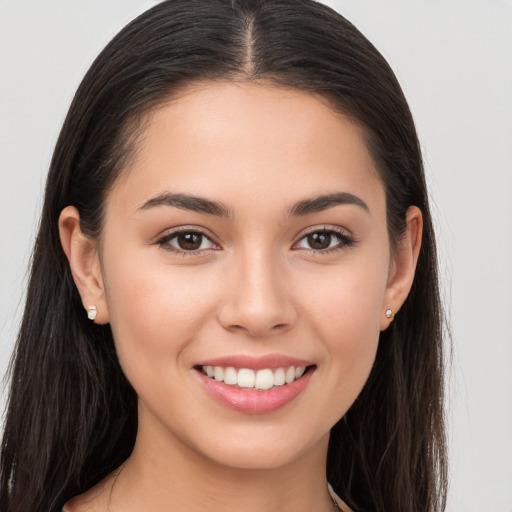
(164, 238)
(325, 227)
(345, 237)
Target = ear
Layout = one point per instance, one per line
(83, 258)
(403, 266)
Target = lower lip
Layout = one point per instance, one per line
(251, 401)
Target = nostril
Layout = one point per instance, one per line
(257, 330)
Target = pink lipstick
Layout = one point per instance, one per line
(255, 385)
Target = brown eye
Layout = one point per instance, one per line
(189, 241)
(320, 240)
(324, 241)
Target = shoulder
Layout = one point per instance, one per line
(82, 504)
(94, 500)
(79, 504)
(343, 506)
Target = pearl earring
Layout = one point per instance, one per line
(92, 311)
(390, 314)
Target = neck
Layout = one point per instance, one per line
(173, 477)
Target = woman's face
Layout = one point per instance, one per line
(249, 234)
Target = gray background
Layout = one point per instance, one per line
(454, 60)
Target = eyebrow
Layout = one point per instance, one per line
(320, 203)
(187, 202)
(202, 205)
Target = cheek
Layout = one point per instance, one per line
(345, 311)
(154, 311)
(347, 302)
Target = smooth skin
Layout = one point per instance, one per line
(262, 278)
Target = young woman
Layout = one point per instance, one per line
(233, 299)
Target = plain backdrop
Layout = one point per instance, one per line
(454, 61)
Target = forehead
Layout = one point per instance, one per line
(218, 139)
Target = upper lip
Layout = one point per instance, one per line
(256, 362)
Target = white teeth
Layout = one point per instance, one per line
(279, 378)
(264, 379)
(230, 376)
(218, 373)
(247, 378)
(290, 375)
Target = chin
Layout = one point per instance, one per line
(263, 449)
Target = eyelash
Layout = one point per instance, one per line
(344, 241)
(164, 241)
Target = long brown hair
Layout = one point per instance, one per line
(72, 415)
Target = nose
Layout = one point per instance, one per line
(258, 297)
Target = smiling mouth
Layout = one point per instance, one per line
(257, 380)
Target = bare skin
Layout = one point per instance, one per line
(256, 283)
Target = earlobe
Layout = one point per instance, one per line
(83, 258)
(403, 267)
